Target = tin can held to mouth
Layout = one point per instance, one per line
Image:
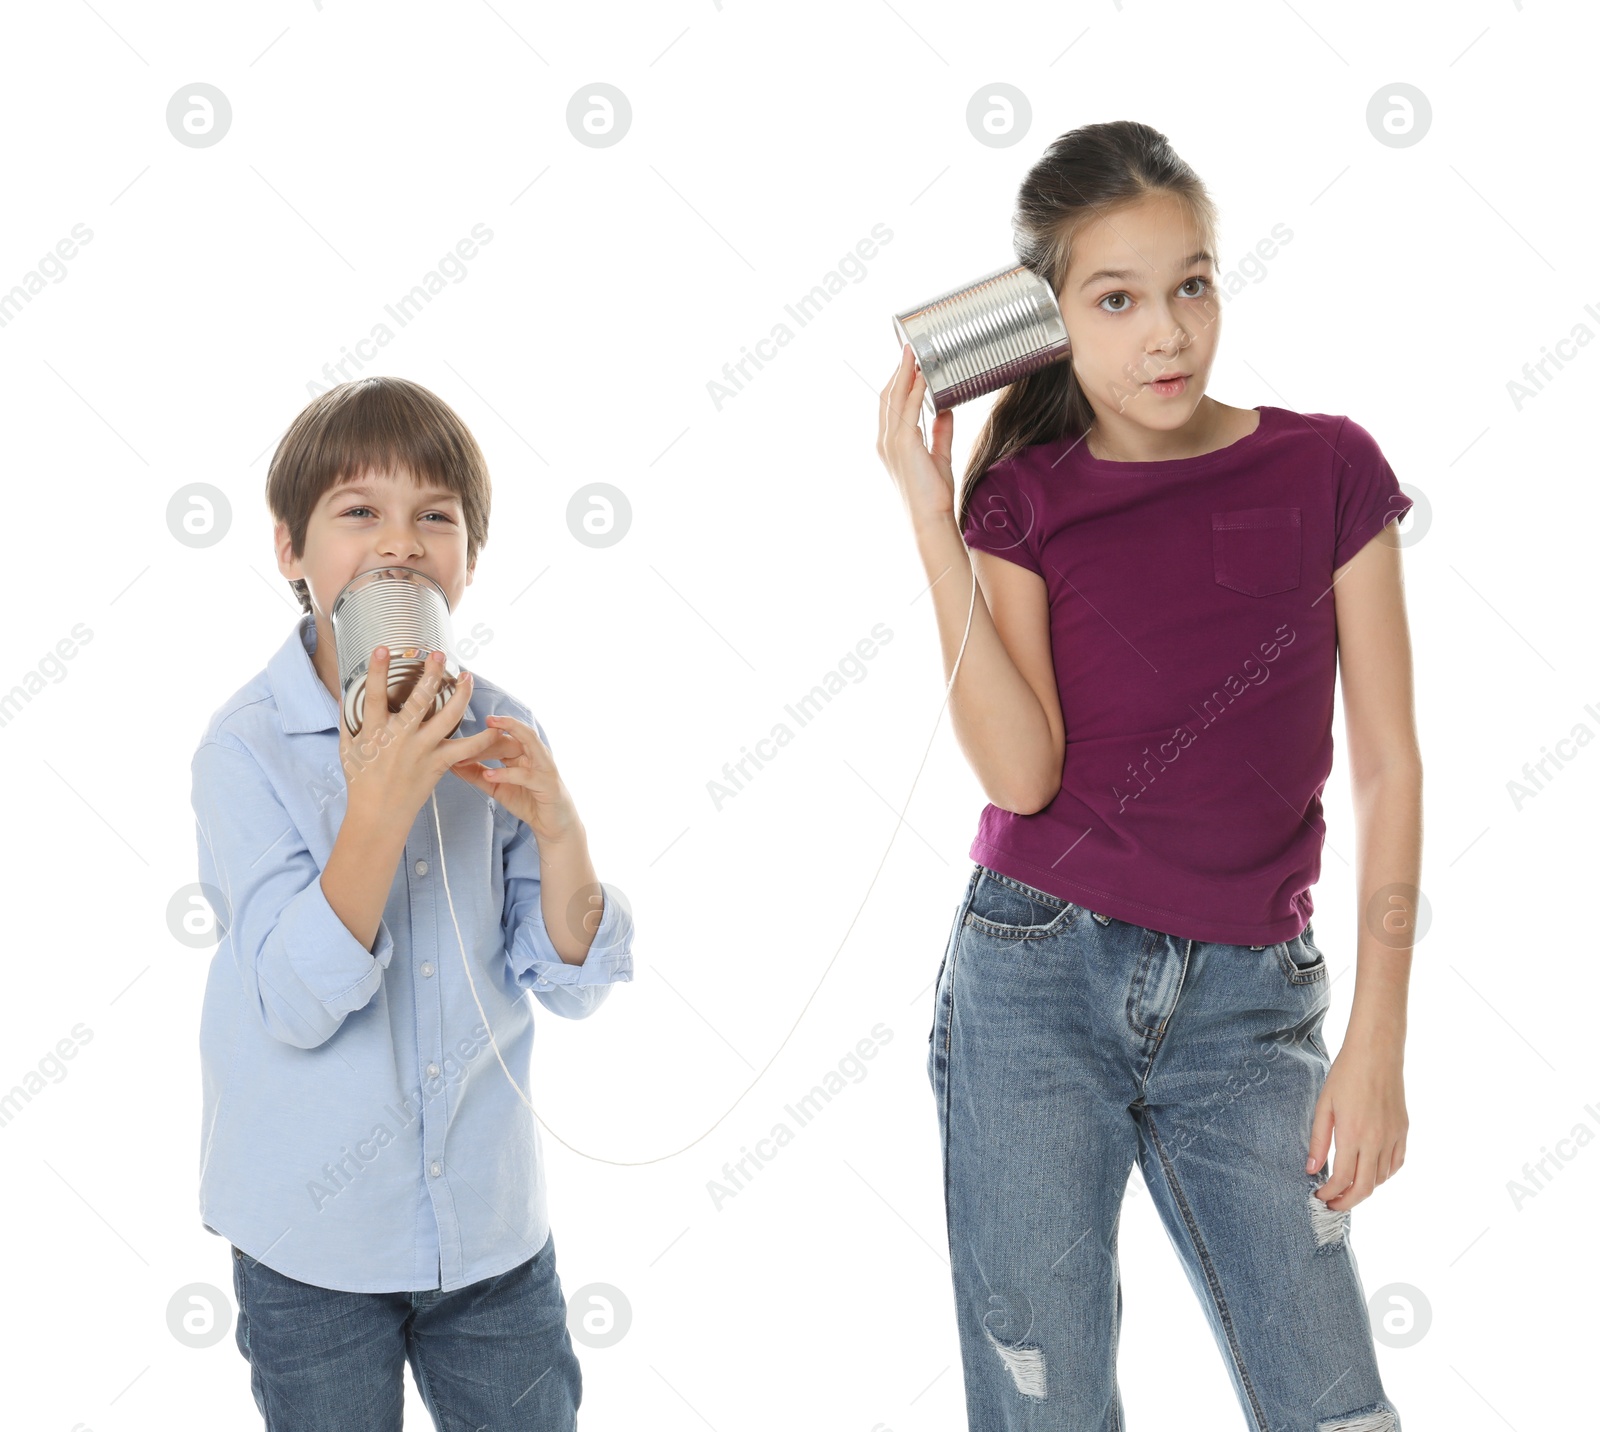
(404, 610)
(983, 335)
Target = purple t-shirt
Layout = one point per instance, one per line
(1192, 629)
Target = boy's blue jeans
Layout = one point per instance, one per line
(1065, 1045)
(493, 1354)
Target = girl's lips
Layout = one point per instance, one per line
(1169, 387)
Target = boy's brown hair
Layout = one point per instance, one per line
(375, 424)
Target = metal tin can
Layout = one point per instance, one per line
(404, 610)
(983, 335)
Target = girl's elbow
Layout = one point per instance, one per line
(1029, 800)
(1045, 797)
(1046, 786)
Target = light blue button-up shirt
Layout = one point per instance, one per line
(358, 1132)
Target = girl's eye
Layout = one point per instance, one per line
(1122, 308)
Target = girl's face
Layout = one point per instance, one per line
(1139, 304)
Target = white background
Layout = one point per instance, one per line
(766, 540)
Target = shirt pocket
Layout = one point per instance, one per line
(1256, 550)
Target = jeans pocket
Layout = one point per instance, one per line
(1256, 550)
(1302, 961)
(1007, 909)
(949, 944)
(241, 1326)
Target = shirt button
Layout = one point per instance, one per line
(421, 867)
(433, 1071)
(427, 970)
(435, 1168)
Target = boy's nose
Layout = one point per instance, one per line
(399, 548)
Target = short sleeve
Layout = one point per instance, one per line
(1003, 517)
(1367, 496)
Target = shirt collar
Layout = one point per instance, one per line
(304, 703)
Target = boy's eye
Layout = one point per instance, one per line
(351, 512)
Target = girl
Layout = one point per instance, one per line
(1146, 694)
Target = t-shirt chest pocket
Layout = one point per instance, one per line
(1256, 550)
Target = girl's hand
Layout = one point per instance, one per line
(1365, 1093)
(527, 784)
(924, 478)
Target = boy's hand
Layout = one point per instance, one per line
(528, 784)
(391, 768)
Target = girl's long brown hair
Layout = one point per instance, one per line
(1084, 175)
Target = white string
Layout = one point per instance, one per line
(634, 1163)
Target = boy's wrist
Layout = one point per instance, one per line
(368, 818)
(570, 834)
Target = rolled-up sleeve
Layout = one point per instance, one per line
(302, 968)
(573, 991)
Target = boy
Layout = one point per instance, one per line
(378, 1175)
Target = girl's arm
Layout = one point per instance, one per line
(1385, 778)
(1364, 1093)
(1004, 706)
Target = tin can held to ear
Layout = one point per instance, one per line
(982, 336)
(404, 610)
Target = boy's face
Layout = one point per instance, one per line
(1159, 314)
(382, 519)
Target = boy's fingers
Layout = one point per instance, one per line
(428, 683)
(518, 730)
(375, 703)
(463, 690)
(421, 704)
(460, 749)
